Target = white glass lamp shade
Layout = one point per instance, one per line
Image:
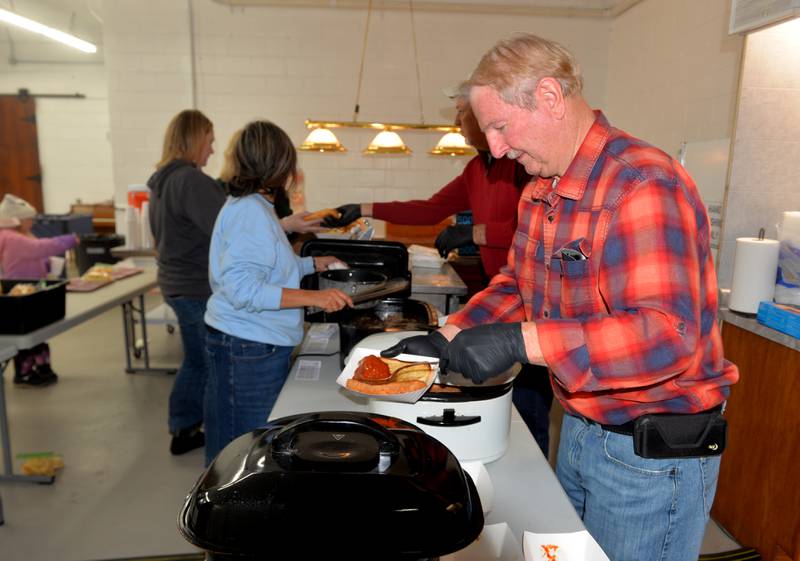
(453, 144)
(322, 140)
(387, 142)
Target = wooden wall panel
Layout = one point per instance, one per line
(758, 495)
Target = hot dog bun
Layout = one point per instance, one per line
(322, 214)
(385, 389)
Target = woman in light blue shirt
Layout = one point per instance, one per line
(255, 314)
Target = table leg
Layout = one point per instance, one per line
(8, 474)
(131, 315)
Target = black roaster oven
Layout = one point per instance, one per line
(333, 485)
(397, 312)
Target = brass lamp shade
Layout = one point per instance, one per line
(453, 144)
(387, 142)
(322, 140)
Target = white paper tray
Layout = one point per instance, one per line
(496, 542)
(410, 397)
(572, 546)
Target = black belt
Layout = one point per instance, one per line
(213, 330)
(627, 428)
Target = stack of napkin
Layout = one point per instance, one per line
(427, 257)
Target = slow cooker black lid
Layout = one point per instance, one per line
(335, 483)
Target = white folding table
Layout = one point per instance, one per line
(81, 307)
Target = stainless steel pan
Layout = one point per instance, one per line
(352, 281)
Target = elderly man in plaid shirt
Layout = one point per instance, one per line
(610, 284)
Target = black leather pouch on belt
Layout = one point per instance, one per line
(680, 436)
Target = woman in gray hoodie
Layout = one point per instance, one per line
(184, 203)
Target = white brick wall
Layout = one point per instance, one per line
(766, 153)
(673, 72)
(290, 64)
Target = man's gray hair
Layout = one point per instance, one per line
(514, 67)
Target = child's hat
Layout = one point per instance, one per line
(15, 207)
(9, 223)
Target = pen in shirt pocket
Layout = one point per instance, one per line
(569, 254)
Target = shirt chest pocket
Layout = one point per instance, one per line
(578, 294)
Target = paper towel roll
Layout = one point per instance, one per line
(755, 264)
(144, 226)
(132, 237)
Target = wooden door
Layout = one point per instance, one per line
(20, 173)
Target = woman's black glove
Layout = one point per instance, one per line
(349, 213)
(432, 345)
(484, 351)
(453, 237)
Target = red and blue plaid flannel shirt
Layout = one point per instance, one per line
(627, 321)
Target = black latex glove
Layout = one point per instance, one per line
(485, 351)
(453, 237)
(349, 213)
(432, 345)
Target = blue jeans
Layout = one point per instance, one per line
(532, 395)
(243, 384)
(637, 509)
(186, 398)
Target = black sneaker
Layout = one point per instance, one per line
(186, 440)
(38, 376)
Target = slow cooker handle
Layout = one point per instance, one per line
(389, 442)
(448, 418)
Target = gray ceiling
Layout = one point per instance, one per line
(83, 19)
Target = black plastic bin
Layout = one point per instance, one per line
(23, 314)
(96, 248)
(52, 225)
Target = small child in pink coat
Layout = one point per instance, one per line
(23, 256)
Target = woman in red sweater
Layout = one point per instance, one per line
(489, 188)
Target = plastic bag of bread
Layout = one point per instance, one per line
(22, 289)
(41, 464)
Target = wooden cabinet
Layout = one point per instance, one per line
(102, 216)
(758, 495)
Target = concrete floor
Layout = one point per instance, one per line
(121, 490)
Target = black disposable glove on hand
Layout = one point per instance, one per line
(485, 351)
(432, 345)
(349, 213)
(453, 237)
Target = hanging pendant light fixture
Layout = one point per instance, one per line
(387, 141)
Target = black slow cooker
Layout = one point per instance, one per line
(333, 485)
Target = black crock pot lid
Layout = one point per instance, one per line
(334, 484)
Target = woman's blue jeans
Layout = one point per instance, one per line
(637, 509)
(244, 381)
(186, 398)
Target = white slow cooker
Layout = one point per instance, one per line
(473, 421)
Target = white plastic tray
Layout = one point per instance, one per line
(410, 397)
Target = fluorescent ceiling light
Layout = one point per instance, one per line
(54, 34)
